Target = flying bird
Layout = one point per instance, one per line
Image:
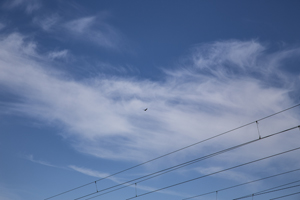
(145, 109)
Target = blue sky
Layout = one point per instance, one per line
(75, 78)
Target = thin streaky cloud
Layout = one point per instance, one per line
(58, 54)
(97, 174)
(230, 175)
(77, 76)
(29, 5)
(81, 25)
(41, 162)
(2, 26)
(48, 23)
(94, 29)
(104, 116)
(89, 172)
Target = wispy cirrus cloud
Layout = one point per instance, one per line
(230, 175)
(89, 29)
(47, 23)
(94, 29)
(2, 26)
(89, 172)
(96, 174)
(218, 88)
(29, 5)
(100, 175)
(58, 54)
(41, 162)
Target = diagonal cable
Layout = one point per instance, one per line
(180, 183)
(167, 170)
(172, 152)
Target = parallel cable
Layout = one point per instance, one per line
(273, 189)
(270, 191)
(285, 196)
(172, 152)
(267, 192)
(167, 170)
(242, 184)
(279, 186)
(180, 183)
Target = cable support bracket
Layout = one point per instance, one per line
(96, 186)
(258, 130)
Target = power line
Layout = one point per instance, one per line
(167, 170)
(172, 152)
(269, 190)
(266, 192)
(226, 150)
(202, 194)
(241, 184)
(285, 196)
(273, 189)
(215, 173)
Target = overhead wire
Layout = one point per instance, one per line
(197, 195)
(227, 188)
(269, 190)
(169, 169)
(172, 152)
(286, 195)
(266, 192)
(226, 150)
(193, 179)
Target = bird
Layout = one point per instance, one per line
(145, 109)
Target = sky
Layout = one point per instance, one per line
(76, 76)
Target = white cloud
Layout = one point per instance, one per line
(100, 175)
(41, 162)
(89, 172)
(81, 25)
(15, 43)
(219, 89)
(95, 30)
(92, 29)
(230, 175)
(58, 54)
(2, 26)
(29, 5)
(48, 22)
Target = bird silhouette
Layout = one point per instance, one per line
(145, 109)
